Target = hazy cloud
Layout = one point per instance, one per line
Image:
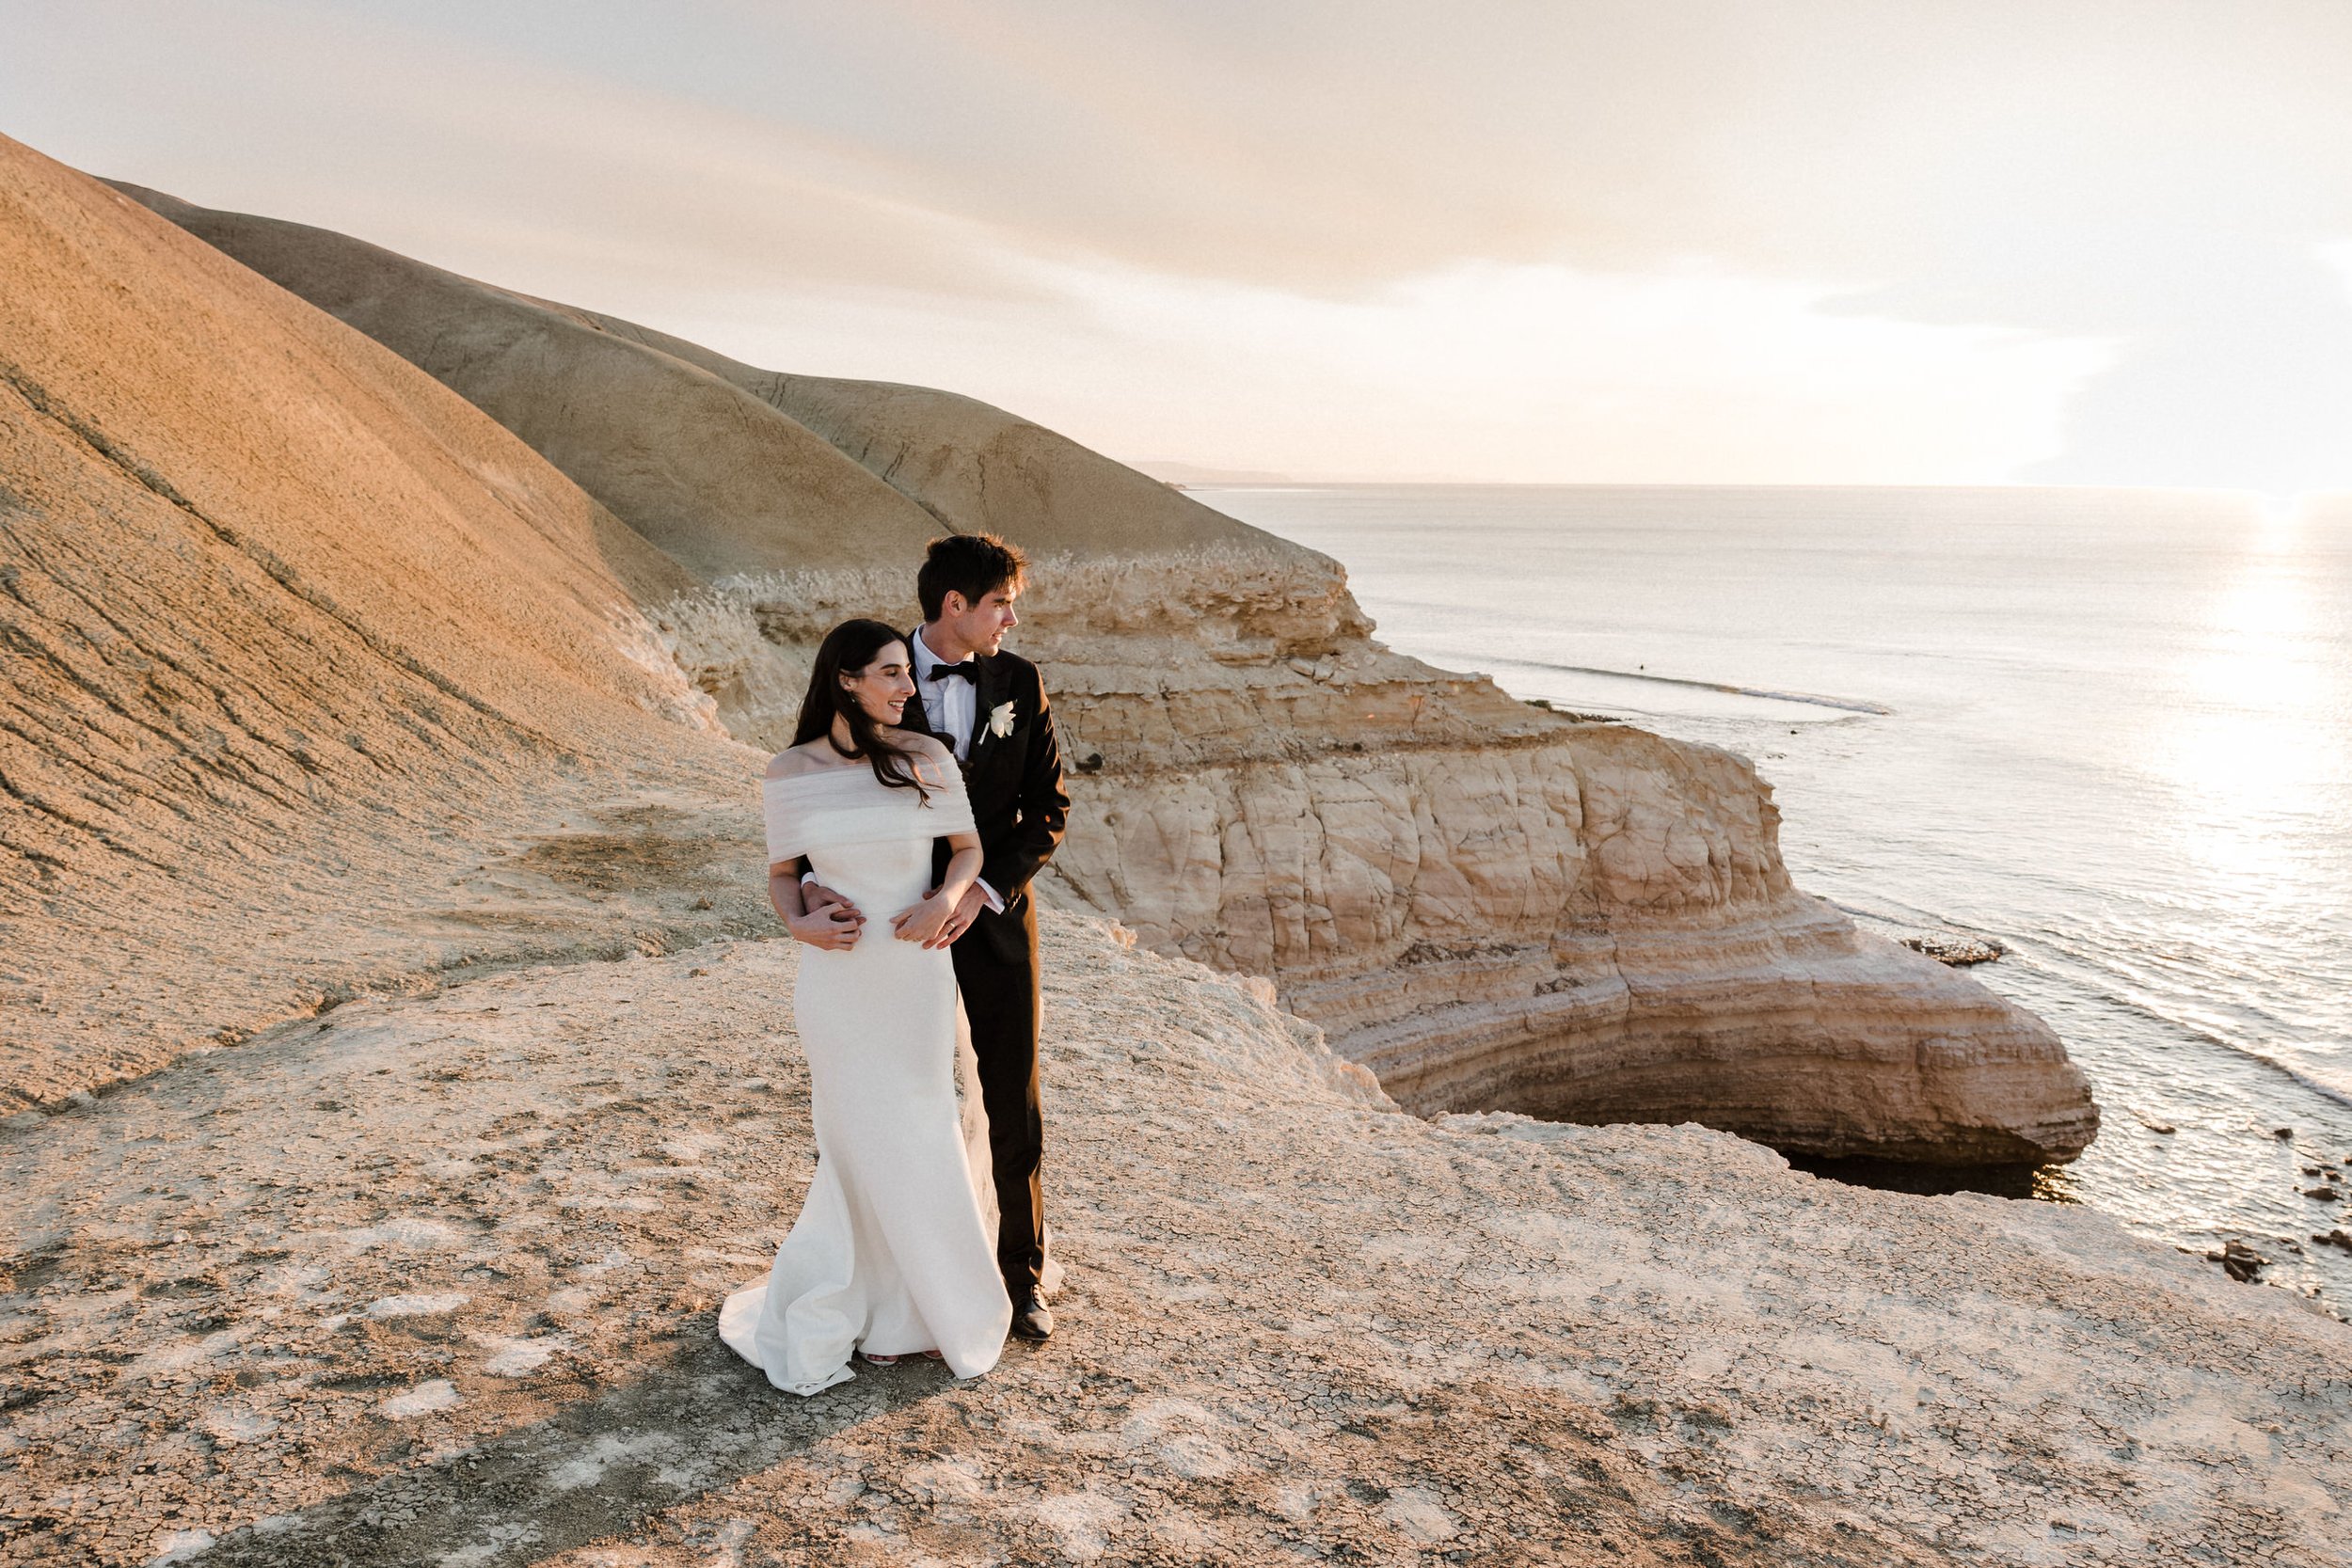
(2093, 229)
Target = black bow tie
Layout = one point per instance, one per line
(969, 670)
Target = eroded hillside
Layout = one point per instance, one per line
(292, 636)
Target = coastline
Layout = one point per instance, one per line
(1258, 783)
(431, 1275)
(1983, 804)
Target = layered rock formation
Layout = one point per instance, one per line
(1489, 905)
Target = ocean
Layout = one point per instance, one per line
(2110, 729)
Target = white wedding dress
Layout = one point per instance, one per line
(895, 1249)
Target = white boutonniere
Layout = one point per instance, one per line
(1000, 720)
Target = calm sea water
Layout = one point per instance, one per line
(2112, 729)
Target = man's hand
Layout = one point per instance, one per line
(832, 922)
(817, 895)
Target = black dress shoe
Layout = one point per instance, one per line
(1031, 1318)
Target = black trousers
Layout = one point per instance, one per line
(996, 969)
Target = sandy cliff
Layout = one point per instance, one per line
(1492, 905)
(290, 633)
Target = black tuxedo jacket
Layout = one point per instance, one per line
(1013, 779)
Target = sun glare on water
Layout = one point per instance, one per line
(2244, 749)
(2278, 512)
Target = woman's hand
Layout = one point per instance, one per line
(948, 909)
(967, 910)
(924, 921)
(833, 927)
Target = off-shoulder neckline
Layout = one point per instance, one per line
(936, 751)
(811, 774)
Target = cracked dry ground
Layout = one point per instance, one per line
(433, 1280)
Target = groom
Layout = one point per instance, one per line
(990, 706)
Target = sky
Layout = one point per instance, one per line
(1524, 241)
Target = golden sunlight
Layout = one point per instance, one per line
(2245, 745)
(2278, 512)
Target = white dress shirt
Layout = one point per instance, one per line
(948, 704)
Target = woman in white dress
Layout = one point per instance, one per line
(892, 1254)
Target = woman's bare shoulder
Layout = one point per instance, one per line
(928, 747)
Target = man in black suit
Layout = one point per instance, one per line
(990, 705)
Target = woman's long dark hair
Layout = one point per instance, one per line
(847, 650)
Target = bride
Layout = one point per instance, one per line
(892, 1254)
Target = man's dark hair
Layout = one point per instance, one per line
(971, 564)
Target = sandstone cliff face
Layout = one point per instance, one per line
(1489, 905)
